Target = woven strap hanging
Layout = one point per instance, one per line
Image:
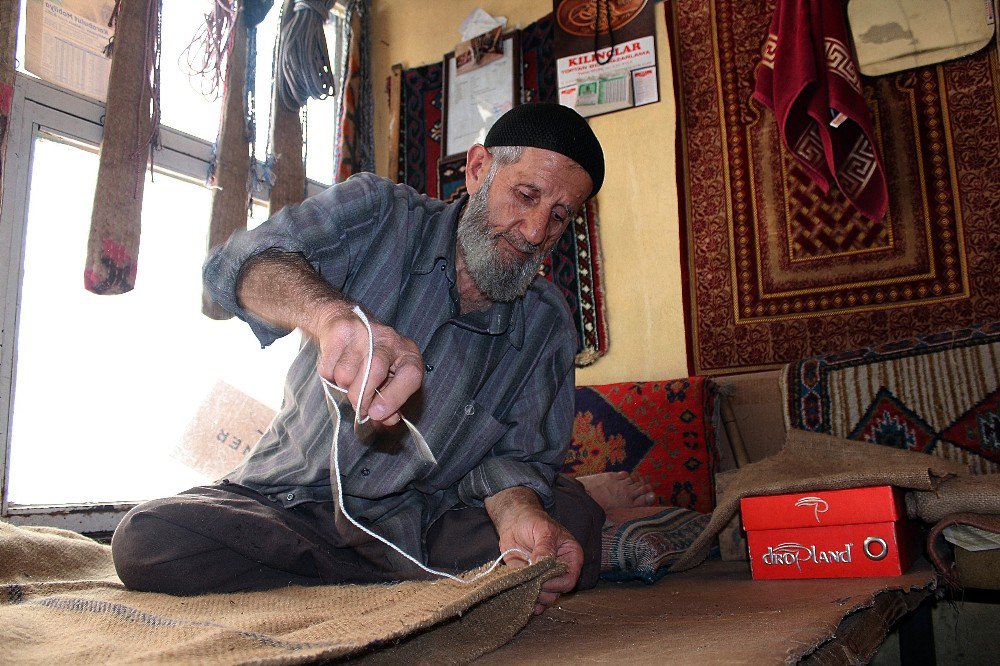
(232, 159)
(131, 123)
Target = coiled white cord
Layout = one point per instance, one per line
(425, 451)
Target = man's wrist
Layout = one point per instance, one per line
(504, 506)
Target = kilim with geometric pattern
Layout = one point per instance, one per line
(938, 394)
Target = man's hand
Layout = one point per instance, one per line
(397, 368)
(522, 523)
(284, 290)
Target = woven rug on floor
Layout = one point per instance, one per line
(575, 262)
(60, 602)
(663, 431)
(773, 270)
(938, 394)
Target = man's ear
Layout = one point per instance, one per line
(477, 166)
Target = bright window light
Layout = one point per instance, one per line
(105, 386)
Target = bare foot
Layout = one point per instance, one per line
(614, 490)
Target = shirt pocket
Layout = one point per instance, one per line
(460, 443)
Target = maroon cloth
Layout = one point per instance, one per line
(808, 77)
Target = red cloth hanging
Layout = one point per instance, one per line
(808, 78)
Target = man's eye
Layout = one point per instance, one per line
(525, 195)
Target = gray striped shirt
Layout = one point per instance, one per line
(496, 406)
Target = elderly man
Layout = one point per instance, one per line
(466, 345)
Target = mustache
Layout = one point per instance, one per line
(520, 243)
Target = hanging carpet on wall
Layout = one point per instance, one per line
(773, 269)
(575, 263)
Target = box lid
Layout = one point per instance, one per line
(875, 504)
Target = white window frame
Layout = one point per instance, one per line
(39, 107)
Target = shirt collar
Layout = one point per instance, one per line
(500, 318)
(442, 232)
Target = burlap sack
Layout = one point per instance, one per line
(61, 603)
(962, 494)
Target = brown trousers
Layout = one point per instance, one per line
(229, 538)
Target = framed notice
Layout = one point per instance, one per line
(475, 97)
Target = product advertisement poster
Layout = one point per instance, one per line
(605, 54)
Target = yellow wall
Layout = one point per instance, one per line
(637, 205)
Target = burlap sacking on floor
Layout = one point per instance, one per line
(60, 602)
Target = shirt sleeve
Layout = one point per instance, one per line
(533, 450)
(328, 230)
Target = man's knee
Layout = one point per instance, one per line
(147, 544)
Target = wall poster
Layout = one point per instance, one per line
(606, 54)
(474, 97)
(64, 44)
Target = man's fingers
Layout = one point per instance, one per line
(560, 584)
(376, 377)
(547, 598)
(515, 559)
(405, 379)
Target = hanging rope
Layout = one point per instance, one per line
(305, 69)
(597, 31)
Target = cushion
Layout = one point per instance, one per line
(641, 543)
(663, 431)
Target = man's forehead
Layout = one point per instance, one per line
(551, 165)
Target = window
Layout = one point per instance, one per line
(97, 392)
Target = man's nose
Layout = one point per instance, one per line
(535, 226)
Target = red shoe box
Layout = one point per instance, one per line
(853, 533)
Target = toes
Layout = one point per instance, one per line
(647, 499)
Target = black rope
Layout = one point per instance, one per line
(305, 69)
(597, 31)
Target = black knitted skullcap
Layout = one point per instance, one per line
(553, 127)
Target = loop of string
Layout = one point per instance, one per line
(334, 408)
(597, 31)
(305, 69)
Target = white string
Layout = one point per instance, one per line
(334, 408)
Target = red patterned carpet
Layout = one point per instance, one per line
(773, 269)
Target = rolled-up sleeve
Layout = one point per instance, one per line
(532, 451)
(328, 230)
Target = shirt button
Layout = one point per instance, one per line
(365, 471)
(470, 409)
(429, 367)
(290, 496)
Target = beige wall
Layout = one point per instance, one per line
(638, 203)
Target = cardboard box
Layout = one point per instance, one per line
(222, 433)
(852, 533)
